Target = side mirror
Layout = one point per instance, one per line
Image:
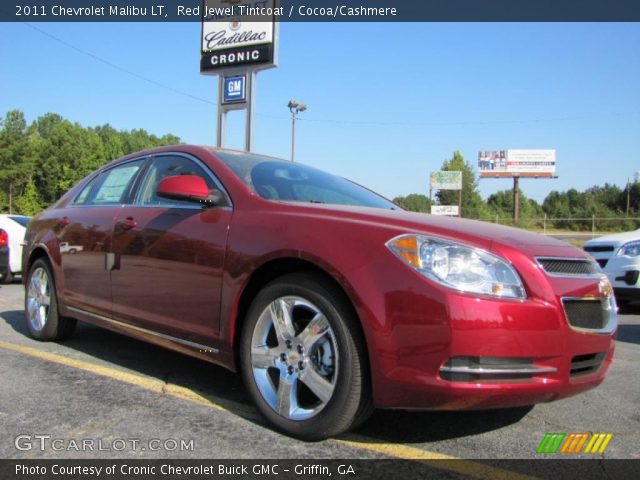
(190, 188)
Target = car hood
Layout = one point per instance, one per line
(489, 236)
(615, 239)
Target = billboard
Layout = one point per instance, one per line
(235, 34)
(450, 210)
(446, 180)
(517, 163)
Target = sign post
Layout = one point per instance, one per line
(235, 46)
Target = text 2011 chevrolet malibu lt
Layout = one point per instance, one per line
(328, 298)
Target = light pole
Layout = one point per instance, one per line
(294, 107)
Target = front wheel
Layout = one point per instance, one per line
(41, 305)
(303, 359)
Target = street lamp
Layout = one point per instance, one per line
(294, 107)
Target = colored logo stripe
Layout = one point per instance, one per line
(550, 442)
(598, 443)
(573, 443)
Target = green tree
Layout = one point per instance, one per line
(30, 202)
(414, 202)
(137, 140)
(112, 141)
(500, 204)
(15, 157)
(68, 155)
(41, 161)
(472, 203)
(44, 125)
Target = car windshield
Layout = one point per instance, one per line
(22, 220)
(280, 180)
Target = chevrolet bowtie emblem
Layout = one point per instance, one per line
(605, 287)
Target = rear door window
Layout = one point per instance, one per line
(110, 187)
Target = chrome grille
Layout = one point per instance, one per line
(568, 266)
(491, 369)
(590, 314)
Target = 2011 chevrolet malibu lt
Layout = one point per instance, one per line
(329, 299)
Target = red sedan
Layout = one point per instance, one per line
(327, 297)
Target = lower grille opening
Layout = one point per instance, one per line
(630, 277)
(591, 314)
(499, 369)
(585, 364)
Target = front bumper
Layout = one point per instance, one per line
(624, 274)
(419, 328)
(491, 330)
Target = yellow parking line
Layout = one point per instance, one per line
(454, 464)
(152, 384)
(444, 462)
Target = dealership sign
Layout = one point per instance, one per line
(517, 163)
(237, 33)
(446, 180)
(235, 90)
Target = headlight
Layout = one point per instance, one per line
(457, 266)
(632, 249)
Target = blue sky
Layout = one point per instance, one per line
(387, 102)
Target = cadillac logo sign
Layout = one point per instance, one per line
(238, 33)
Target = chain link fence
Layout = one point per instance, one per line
(589, 227)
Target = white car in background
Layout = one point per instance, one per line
(15, 226)
(619, 257)
(66, 248)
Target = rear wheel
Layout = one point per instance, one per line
(303, 359)
(41, 305)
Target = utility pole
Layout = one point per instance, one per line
(295, 107)
(628, 195)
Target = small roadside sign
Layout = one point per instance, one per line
(235, 90)
(449, 210)
(446, 180)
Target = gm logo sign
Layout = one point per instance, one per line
(235, 89)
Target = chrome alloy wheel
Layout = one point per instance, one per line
(294, 358)
(38, 299)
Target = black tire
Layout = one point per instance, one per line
(49, 325)
(350, 397)
(7, 277)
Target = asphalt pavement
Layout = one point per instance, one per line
(129, 399)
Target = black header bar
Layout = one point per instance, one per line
(328, 10)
